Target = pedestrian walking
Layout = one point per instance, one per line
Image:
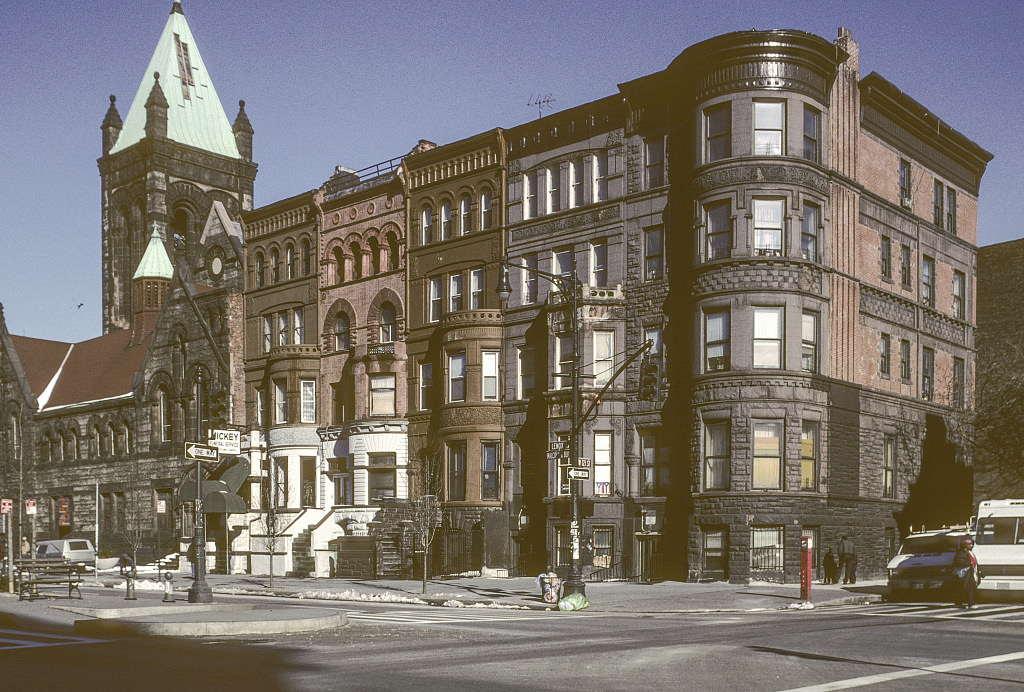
(848, 560)
(831, 571)
(965, 569)
(26, 549)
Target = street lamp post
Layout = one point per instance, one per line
(571, 290)
(200, 591)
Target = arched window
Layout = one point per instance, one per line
(14, 430)
(427, 224)
(129, 443)
(164, 426)
(374, 256)
(178, 357)
(339, 265)
(115, 443)
(275, 266)
(260, 270)
(357, 261)
(56, 448)
(446, 220)
(71, 453)
(465, 215)
(393, 248)
(387, 323)
(96, 442)
(307, 257)
(342, 333)
(486, 215)
(290, 262)
(44, 450)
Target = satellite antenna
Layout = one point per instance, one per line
(541, 102)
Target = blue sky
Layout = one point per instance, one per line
(348, 83)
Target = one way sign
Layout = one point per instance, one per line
(194, 450)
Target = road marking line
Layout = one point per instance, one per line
(917, 672)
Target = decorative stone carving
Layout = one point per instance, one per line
(793, 174)
(552, 228)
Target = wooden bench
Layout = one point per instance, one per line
(46, 571)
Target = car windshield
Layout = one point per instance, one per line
(915, 545)
(79, 545)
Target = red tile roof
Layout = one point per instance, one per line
(100, 368)
(40, 359)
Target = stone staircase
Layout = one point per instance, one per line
(394, 557)
(303, 564)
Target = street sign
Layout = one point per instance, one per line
(554, 453)
(227, 441)
(579, 474)
(559, 444)
(6, 506)
(30, 506)
(194, 450)
(583, 463)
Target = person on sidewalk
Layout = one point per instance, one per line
(848, 560)
(965, 569)
(829, 564)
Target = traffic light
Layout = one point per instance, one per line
(650, 378)
(219, 409)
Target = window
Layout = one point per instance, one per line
(812, 134)
(718, 227)
(434, 300)
(275, 266)
(885, 355)
(654, 478)
(604, 356)
(261, 407)
(905, 184)
(959, 281)
(489, 367)
(654, 253)
(268, 333)
(486, 213)
(654, 162)
(768, 128)
(768, 227)
(927, 374)
(928, 281)
(889, 466)
(166, 418)
(530, 282)
(307, 257)
(382, 395)
(716, 341)
(563, 548)
(526, 381)
(387, 323)
(716, 455)
(951, 210)
(604, 546)
(603, 463)
(427, 225)
(457, 377)
(905, 266)
(885, 253)
(308, 391)
(342, 333)
(554, 192)
(357, 260)
(566, 359)
(426, 386)
(809, 456)
(291, 265)
(280, 402)
(599, 263)
(809, 232)
(767, 549)
(716, 552)
(260, 270)
(564, 262)
(456, 471)
(282, 329)
(904, 360)
(767, 337)
(298, 326)
(959, 382)
(465, 214)
(718, 132)
(531, 182)
(446, 220)
(476, 289)
(938, 213)
(767, 455)
(338, 403)
(653, 334)
(601, 176)
(381, 481)
(489, 470)
(575, 183)
(809, 339)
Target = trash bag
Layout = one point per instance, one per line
(574, 601)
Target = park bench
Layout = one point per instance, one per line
(47, 571)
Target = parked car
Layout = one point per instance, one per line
(78, 550)
(924, 564)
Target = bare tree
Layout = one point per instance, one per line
(426, 508)
(274, 521)
(136, 509)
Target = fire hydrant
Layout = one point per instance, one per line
(129, 573)
(168, 596)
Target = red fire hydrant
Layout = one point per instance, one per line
(806, 567)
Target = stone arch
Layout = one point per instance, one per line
(338, 308)
(387, 296)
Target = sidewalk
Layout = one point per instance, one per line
(103, 608)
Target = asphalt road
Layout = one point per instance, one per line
(391, 647)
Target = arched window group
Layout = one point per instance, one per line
(275, 264)
(455, 218)
(358, 258)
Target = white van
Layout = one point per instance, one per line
(999, 546)
(77, 550)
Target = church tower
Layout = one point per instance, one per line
(173, 155)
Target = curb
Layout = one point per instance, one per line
(282, 621)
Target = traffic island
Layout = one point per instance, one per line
(208, 621)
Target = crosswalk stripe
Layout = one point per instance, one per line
(988, 611)
(435, 617)
(20, 639)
